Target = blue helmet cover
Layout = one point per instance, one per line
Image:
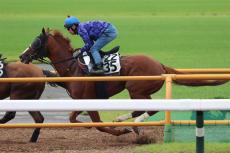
(69, 21)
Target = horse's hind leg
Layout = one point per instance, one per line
(38, 118)
(142, 90)
(127, 116)
(7, 117)
(94, 115)
(140, 114)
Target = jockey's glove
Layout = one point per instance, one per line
(76, 54)
(77, 50)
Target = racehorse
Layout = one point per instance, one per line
(57, 48)
(25, 90)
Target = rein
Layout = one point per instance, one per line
(42, 60)
(58, 62)
(65, 60)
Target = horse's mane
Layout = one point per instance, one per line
(58, 35)
(3, 59)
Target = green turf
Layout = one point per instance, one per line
(183, 148)
(213, 133)
(178, 33)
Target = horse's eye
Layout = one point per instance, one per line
(36, 44)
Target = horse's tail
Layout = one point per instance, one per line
(193, 82)
(48, 73)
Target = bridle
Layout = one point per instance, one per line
(39, 52)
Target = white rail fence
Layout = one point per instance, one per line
(198, 105)
(113, 105)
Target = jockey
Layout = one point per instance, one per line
(95, 34)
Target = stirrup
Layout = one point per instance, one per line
(97, 71)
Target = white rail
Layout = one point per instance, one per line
(100, 105)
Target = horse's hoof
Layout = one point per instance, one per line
(33, 141)
(90, 127)
(122, 131)
(136, 130)
(2, 122)
(116, 120)
(127, 130)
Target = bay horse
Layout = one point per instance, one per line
(57, 48)
(25, 90)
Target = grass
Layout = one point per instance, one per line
(178, 33)
(183, 148)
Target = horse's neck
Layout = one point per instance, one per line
(59, 58)
(67, 68)
(74, 88)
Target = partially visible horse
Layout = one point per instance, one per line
(25, 90)
(58, 49)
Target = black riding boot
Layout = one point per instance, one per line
(97, 69)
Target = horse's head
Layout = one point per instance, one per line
(37, 49)
(46, 45)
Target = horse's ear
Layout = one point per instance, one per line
(43, 31)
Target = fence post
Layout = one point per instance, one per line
(199, 132)
(168, 134)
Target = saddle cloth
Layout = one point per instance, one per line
(110, 60)
(2, 66)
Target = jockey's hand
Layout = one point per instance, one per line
(77, 50)
(76, 54)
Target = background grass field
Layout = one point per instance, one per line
(184, 148)
(178, 33)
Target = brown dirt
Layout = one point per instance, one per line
(80, 140)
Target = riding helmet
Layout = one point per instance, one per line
(70, 21)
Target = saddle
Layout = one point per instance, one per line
(2, 66)
(110, 60)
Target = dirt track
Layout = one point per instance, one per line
(79, 140)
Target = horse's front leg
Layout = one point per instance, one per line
(38, 118)
(94, 115)
(7, 117)
(73, 117)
